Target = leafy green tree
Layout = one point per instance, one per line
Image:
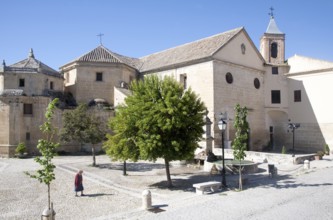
(96, 132)
(241, 138)
(46, 147)
(159, 120)
(84, 127)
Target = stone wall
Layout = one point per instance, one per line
(81, 81)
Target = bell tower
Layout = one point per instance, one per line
(272, 43)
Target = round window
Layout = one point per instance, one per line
(256, 83)
(229, 78)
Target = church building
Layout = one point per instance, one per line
(224, 70)
(286, 98)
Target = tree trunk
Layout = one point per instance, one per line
(94, 156)
(124, 168)
(240, 178)
(49, 196)
(167, 170)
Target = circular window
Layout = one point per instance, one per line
(256, 83)
(229, 78)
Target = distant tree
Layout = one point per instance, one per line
(240, 142)
(46, 147)
(84, 127)
(159, 120)
(96, 132)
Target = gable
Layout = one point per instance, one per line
(241, 51)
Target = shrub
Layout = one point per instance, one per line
(320, 153)
(326, 149)
(20, 149)
(284, 150)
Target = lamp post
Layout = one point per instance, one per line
(222, 124)
(293, 126)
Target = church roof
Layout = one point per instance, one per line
(190, 52)
(31, 64)
(103, 55)
(184, 54)
(272, 27)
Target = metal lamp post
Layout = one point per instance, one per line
(293, 126)
(222, 124)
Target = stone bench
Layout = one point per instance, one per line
(201, 187)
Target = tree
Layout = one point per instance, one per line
(84, 127)
(241, 138)
(95, 134)
(47, 148)
(159, 120)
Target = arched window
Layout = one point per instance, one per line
(274, 50)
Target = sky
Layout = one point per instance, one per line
(59, 31)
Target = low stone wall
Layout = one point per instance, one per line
(271, 158)
(248, 168)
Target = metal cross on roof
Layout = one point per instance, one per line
(100, 37)
(271, 13)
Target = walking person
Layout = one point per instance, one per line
(78, 183)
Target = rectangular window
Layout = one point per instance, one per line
(276, 96)
(27, 136)
(27, 109)
(21, 83)
(183, 80)
(51, 85)
(99, 76)
(275, 70)
(297, 96)
(67, 77)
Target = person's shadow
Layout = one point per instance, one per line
(98, 194)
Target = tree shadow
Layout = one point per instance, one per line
(186, 184)
(131, 166)
(278, 182)
(262, 180)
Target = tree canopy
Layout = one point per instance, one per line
(241, 140)
(159, 120)
(84, 127)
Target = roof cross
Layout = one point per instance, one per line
(271, 13)
(100, 37)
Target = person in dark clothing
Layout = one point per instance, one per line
(78, 183)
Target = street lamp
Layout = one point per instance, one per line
(293, 126)
(222, 124)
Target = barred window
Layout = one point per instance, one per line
(276, 96)
(99, 76)
(297, 96)
(27, 109)
(21, 83)
(275, 70)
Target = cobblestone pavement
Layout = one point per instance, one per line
(111, 195)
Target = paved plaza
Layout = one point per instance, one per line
(111, 195)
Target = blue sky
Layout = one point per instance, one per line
(61, 30)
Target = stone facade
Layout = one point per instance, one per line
(95, 74)
(26, 89)
(224, 70)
